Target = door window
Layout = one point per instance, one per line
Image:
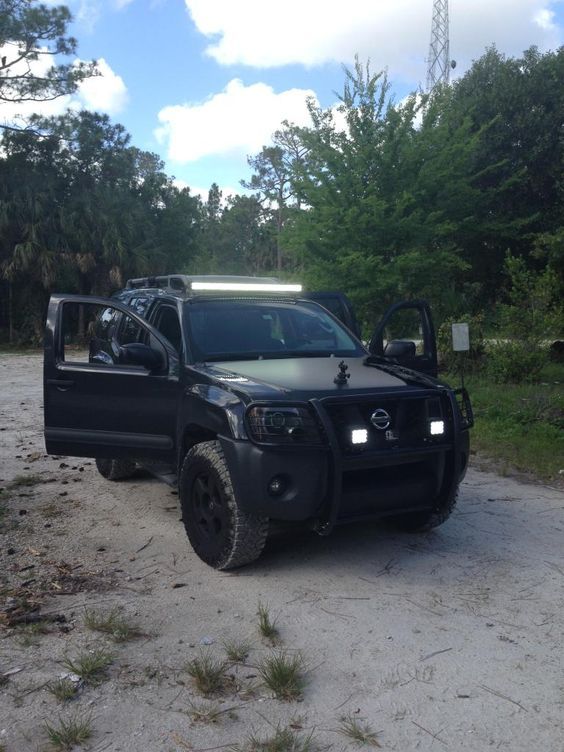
(406, 336)
(406, 327)
(93, 334)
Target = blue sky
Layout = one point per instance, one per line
(205, 82)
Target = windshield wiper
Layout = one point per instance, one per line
(297, 354)
(230, 356)
(276, 354)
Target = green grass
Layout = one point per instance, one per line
(63, 689)
(358, 731)
(208, 673)
(92, 666)
(6, 349)
(66, 734)
(237, 651)
(267, 625)
(210, 714)
(521, 427)
(29, 635)
(112, 623)
(284, 675)
(24, 481)
(282, 740)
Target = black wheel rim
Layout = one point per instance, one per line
(209, 514)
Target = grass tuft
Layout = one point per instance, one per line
(29, 634)
(284, 675)
(92, 666)
(358, 731)
(68, 733)
(283, 740)
(207, 673)
(63, 689)
(267, 625)
(112, 623)
(237, 650)
(21, 481)
(210, 714)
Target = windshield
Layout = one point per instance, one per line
(239, 330)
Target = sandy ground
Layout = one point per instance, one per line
(451, 640)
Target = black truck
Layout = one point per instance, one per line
(260, 403)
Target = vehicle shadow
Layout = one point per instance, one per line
(488, 531)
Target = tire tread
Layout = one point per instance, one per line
(249, 532)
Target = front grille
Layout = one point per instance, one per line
(409, 426)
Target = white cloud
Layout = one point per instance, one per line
(393, 33)
(544, 19)
(105, 93)
(239, 120)
(87, 13)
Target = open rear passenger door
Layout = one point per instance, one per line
(406, 336)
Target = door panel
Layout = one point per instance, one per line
(406, 336)
(96, 405)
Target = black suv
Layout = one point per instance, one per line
(259, 403)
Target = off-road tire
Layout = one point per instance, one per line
(220, 533)
(115, 469)
(422, 522)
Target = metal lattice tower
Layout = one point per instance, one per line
(439, 63)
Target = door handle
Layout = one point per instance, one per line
(61, 384)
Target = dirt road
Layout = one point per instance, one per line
(451, 640)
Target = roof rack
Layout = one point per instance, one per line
(183, 282)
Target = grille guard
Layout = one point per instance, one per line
(462, 419)
(465, 407)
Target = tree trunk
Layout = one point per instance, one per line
(278, 234)
(10, 315)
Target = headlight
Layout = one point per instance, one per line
(283, 425)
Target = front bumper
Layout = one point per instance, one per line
(324, 486)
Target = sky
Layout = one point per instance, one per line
(204, 83)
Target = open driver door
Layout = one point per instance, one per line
(406, 336)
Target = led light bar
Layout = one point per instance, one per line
(244, 287)
(359, 436)
(437, 427)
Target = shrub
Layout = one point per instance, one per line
(473, 360)
(515, 362)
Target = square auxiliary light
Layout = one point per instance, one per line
(437, 427)
(359, 436)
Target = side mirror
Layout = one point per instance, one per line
(138, 354)
(400, 348)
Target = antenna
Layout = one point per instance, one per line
(439, 62)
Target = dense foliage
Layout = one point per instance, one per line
(457, 198)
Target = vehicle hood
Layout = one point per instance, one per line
(298, 378)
